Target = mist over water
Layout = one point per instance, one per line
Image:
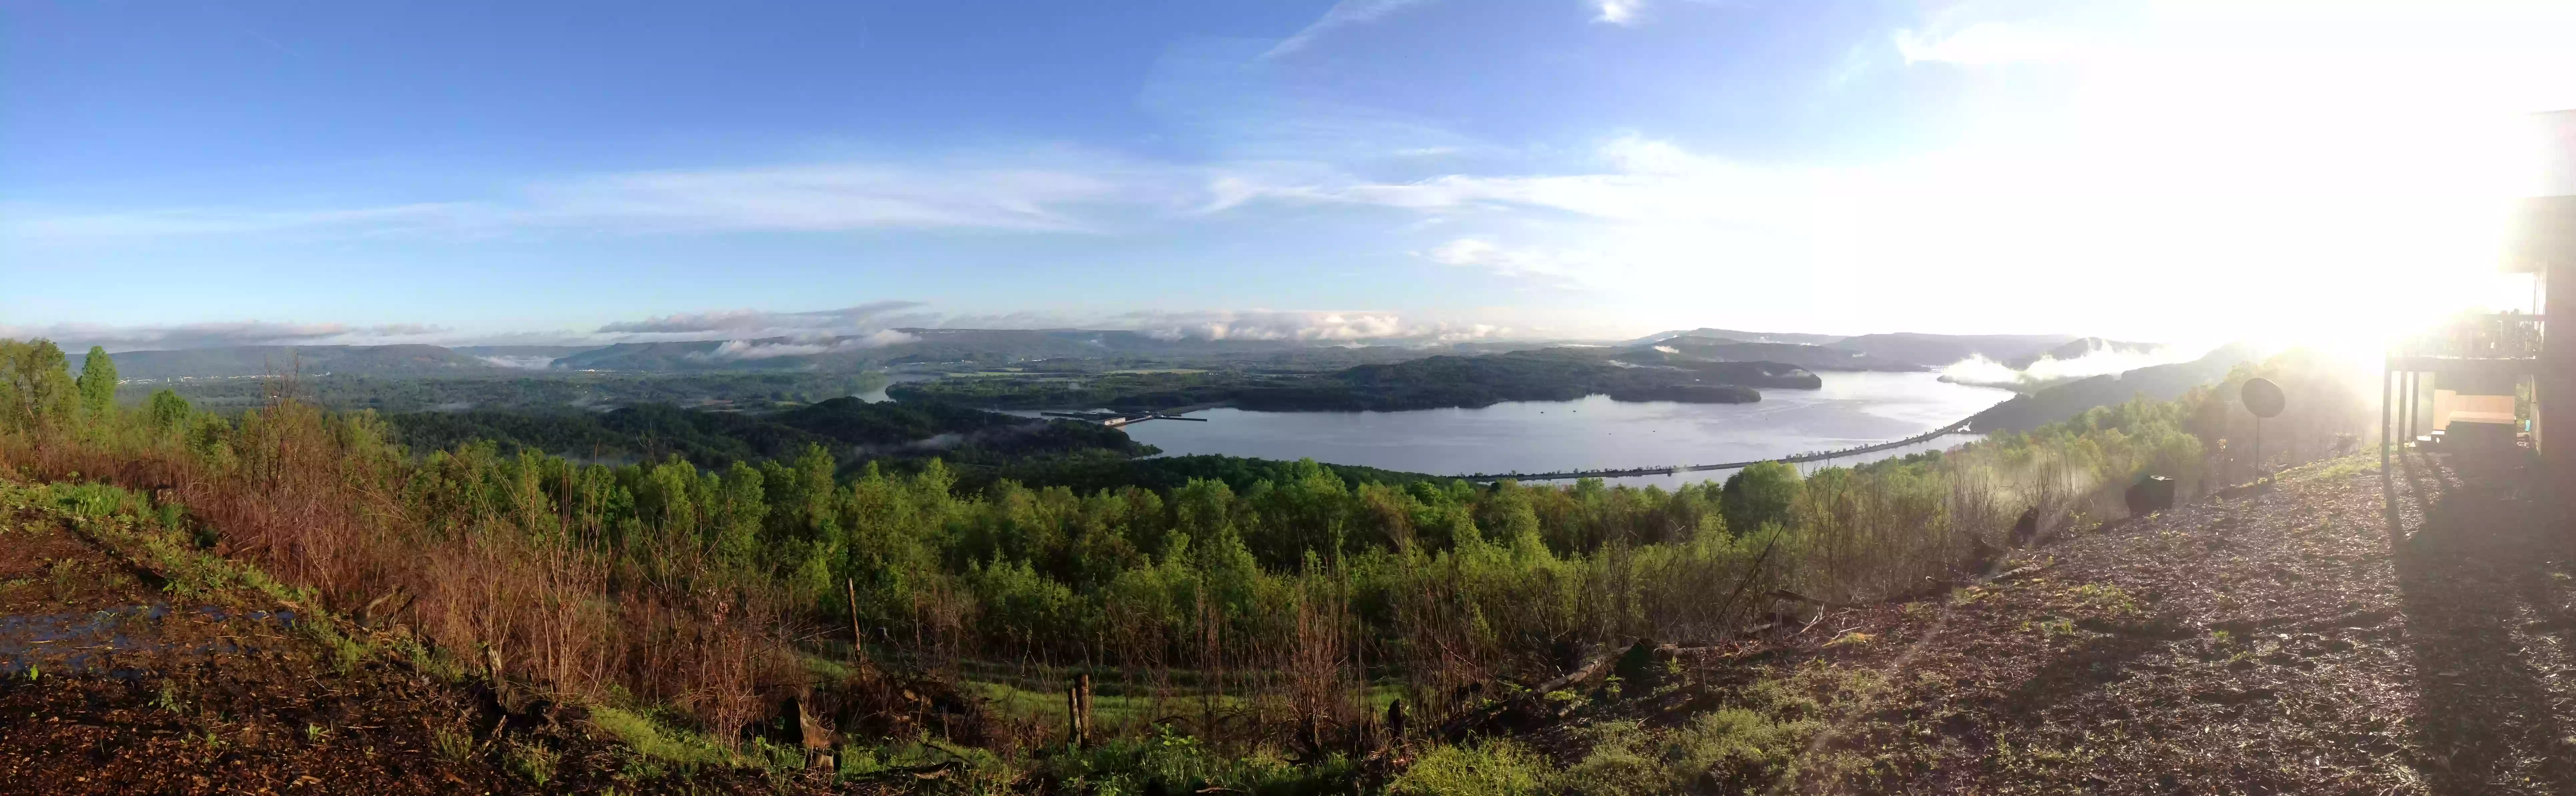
(1852, 409)
(1980, 370)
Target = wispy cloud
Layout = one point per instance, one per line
(1046, 195)
(220, 334)
(1641, 179)
(875, 314)
(1343, 14)
(1558, 268)
(37, 222)
(824, 198)
(1310, 326)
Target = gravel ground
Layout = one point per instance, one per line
(2299, 639)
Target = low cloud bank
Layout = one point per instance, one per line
(2101, 361)
(519, 362)
(874, 314)
(733, 350)
(870, 325)
(1300, 325)
(221, 334)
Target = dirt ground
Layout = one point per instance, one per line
(2292, 640)
(110, 686)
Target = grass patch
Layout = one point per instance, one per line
(451, 744)
(660, 744)
(2332, 469)
(1490, 768)
(533, 761)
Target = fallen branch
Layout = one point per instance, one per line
(1584, 674)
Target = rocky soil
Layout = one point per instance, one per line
(2299, 639)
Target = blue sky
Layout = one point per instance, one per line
(180, 174)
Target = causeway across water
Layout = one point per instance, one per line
(1954, 428)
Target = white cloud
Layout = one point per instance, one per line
(1989, 43)
(885, 337)
(1309, 326)
(519, 362)
(1342, 14)
(2099, 361)
(1617, 12)
(874, 314)
(1564, 268)
(763, 349)
(823, 198)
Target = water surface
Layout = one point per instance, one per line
(1852, 409)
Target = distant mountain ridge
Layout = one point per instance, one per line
(1810, 357)
(378, 360)
(920, 346)
(935, 346)
(1886, 351)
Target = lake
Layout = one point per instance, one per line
(1852, 409)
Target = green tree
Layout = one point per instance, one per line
(97, 385)
(1759, 494)
(36, 391)
(167, 410)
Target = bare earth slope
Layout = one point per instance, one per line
(114, 681)
(2259, 642)
(2268, 642)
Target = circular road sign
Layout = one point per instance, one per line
(2263, 398)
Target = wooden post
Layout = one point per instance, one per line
(1082, 701)
(2387, 409)
(1073, 715)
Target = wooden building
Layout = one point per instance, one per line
(2496, 380)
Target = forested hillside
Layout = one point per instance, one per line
(851, 430)
(1274, 618)
(1435, 382)
(515, 390)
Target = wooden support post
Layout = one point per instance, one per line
(2387, 480)
(1082, 696)
(2414, 420)
(1073, 715)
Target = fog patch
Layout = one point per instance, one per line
(519, 362)
(733, 350)
(1307, 326)
(2051, 370)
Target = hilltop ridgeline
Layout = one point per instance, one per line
(1073, 349)
(1555, 374)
